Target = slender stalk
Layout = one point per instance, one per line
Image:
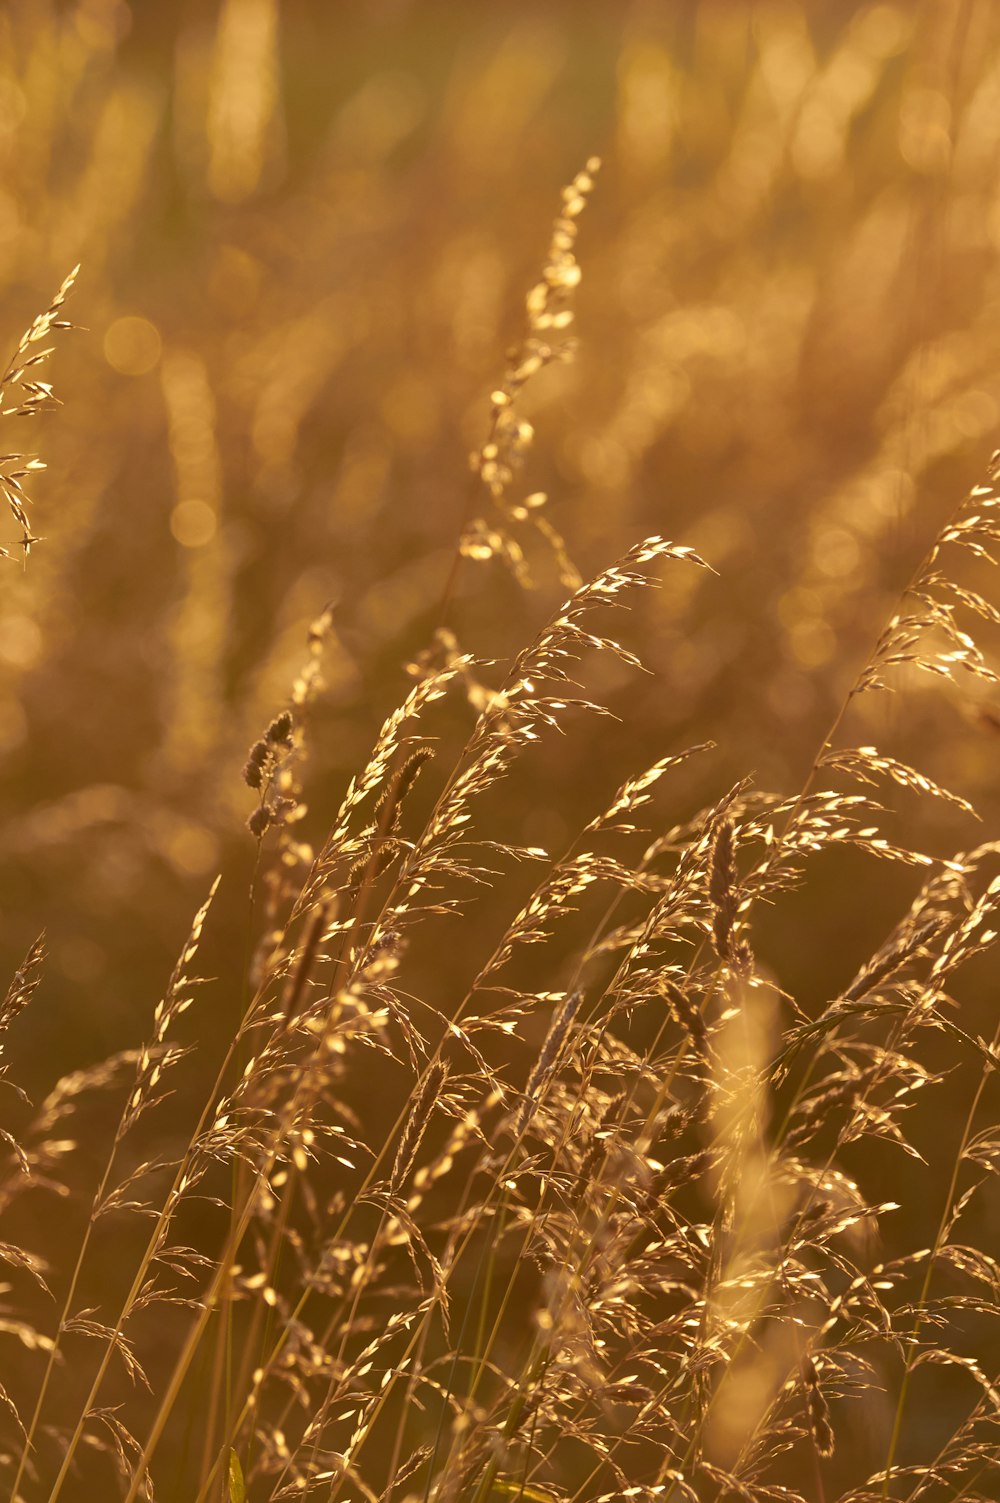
(63, 1317)
(939, 1240)
(153, 1244)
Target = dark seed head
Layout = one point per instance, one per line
(259, 821)
(279, 732)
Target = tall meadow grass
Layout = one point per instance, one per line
(522, 1117)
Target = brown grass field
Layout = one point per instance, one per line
(499, 728)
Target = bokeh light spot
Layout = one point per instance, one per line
(192, 849)
(20, 641)
(812, 642)
(132, 345)
(193, 523)
(836, 552)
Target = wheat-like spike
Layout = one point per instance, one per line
(417, 1122)
(818, 1410)
(548, 1058)
(23, 986)
(687, 1014)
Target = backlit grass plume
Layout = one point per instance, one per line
(622, 1215)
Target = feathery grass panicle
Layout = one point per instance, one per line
(550, 316)
(22, 988)
(157, 1055)
(416, 1123)
(23, 394)
(613, 1219)
(548, 1058)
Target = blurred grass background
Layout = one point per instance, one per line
(306, 230)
